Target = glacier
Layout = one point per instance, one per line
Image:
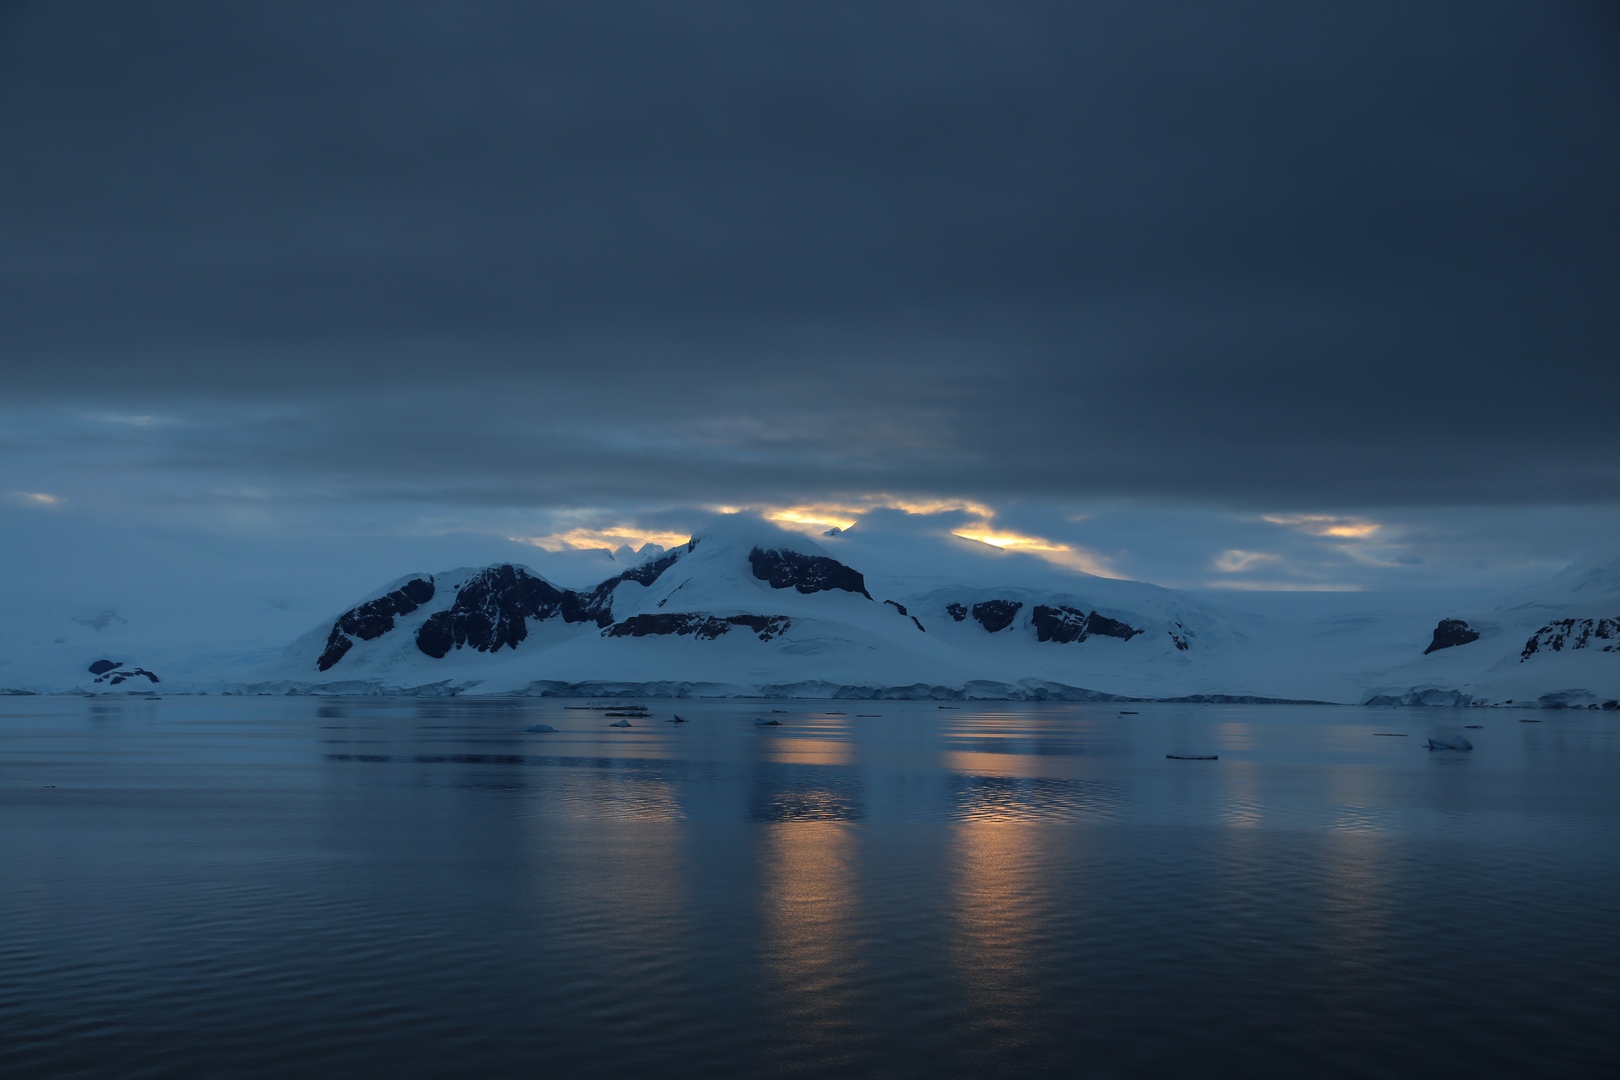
(750, 610)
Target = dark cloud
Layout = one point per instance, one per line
(536, 254)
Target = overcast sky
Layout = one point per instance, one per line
(1256, 295)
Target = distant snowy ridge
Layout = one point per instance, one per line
(748, 610)
(1555, 645)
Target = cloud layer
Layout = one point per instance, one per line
(518, 261)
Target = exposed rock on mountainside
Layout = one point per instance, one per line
(901, 608)
(1574, 634)
(494, 607)
(114, 673)
(1066, 624)
(373, 619)
(784, 569)
(996, 615)
(1451, 633)
(492, 610)
(697, 624)
(750, 609)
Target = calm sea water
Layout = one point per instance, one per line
(294, 886)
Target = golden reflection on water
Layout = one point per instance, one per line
(792, 751)
(1009, 766)
(808, 903)
(997, 906)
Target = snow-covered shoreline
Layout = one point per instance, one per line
(755, 612)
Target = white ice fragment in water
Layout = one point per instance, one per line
(1456, 742)
(620, 723)
(539, 729)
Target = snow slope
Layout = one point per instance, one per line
(1556, 644)
(749, 609)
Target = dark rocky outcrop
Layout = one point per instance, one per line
(596, 605)
(1451, 633)
(1562, 634)
(698, 624)
(901, 608)
(1181, 636)
(494, 608)
(373, 619)
(996, 615)
(1065, 624)
(114, 673)
(956, 611)
(784, 569)
(491, 611)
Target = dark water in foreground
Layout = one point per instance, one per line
(275, 887)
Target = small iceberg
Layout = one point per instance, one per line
(1456, 742)
(620, 723)
(679, 719)
(758, 722)
(539, 729)
(1193, 757)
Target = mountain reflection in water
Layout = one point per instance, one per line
(265, 887)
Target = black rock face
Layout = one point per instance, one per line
(494, 608)
(491, 611)
(901, 608)
(956, 611)
(807, 573)
(596, 605)
(373, 619)
(1181, 637)
(114, 673)
(996, 615)
(1564, 634)
(698, 624)
(649, 572)
(1066, 624)
(1451, 633)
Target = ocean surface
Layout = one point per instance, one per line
(267, 887)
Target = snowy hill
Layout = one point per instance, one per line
(749, 609)
(1556, 644)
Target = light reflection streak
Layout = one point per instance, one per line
(1242, 807)
(1357, 912)
(620, 886)
(794, 751)
(807, 897)
(997, 905)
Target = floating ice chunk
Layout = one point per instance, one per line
(1193, 757)
(767, 723)
(539, 729)
(1456, 742)
(620, 723)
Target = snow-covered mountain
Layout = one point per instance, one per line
(1556, 645)
(752, 609)
(749, 609)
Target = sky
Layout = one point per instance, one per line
(1246, 297)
